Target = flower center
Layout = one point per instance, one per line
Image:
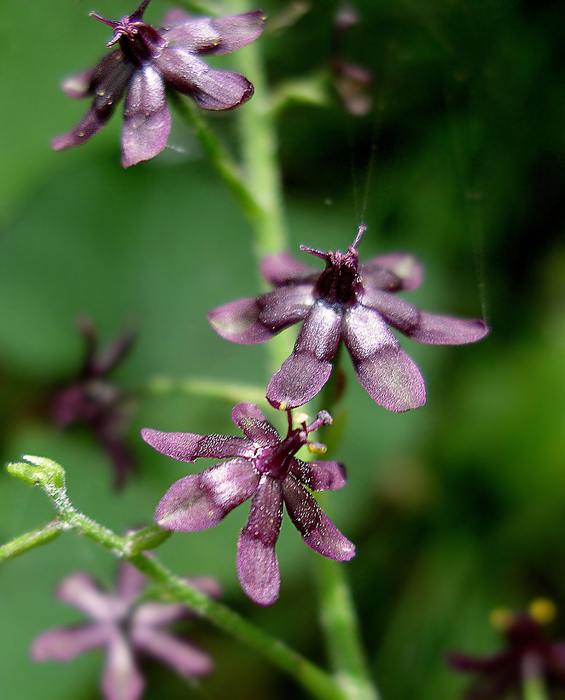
(138, 40)
(339, 284)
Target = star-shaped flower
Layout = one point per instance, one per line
(528, 656)
(349, 302)
(94, 401)
(125, 628)
(145, 63)
(263, 466)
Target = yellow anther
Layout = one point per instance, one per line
(301, 417)
(542, 610)
(282, 407)
(317, 448)
(501, 619)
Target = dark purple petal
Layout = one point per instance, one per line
(445, 330)
(257, 566)
(395, 272)
(285, 306)
(108, 83)
(239, 322)
(200, 501)
(209, 88)
(147, 121)
(318, 476)
(212, 36)
(385, 371)
(186, 447)
(250, 419)
(422, 326)
(81, 591)
(316, 529)
(183, 656)
(306, 371)
(282, 268)
(121, 679)
(64, 643)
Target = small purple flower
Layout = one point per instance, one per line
(125, 628)
(350, 302)
(265, 467)
(94, 401)
(528, 654)
(149, 60)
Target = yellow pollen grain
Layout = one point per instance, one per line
(542, 610)
(317, 448)
(301, 417)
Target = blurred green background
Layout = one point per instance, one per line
(456, 508)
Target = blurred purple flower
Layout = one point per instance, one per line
(97, 403)
(125, 628)
(351, 81)
(265, 467)
(149, 60)
(528, 655)
(349, 302)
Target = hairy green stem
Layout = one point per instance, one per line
(23, 543)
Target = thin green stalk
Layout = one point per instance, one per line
(339, 621)
(534, 685)
(219, 157)
(39, 536)
(259, 149)
(211, 388)
(338, 615)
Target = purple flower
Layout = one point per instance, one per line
(350, 302)
(147, 62)
(263, 466)
(528, 654)
(125, 628)
(94, 401)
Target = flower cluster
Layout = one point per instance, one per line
(528, 656)
(349, 302)
(261, 466)
(92, 400)
(126, 628)
(145, 63)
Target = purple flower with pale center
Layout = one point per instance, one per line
(349, 302)
(528, 656)
(146, 63)
(125, 628)
(261, 466)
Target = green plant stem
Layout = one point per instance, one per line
(339, 622)
(23, 543)
(219, 157)
(211, 388)
(338, 616)
(534, 685)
